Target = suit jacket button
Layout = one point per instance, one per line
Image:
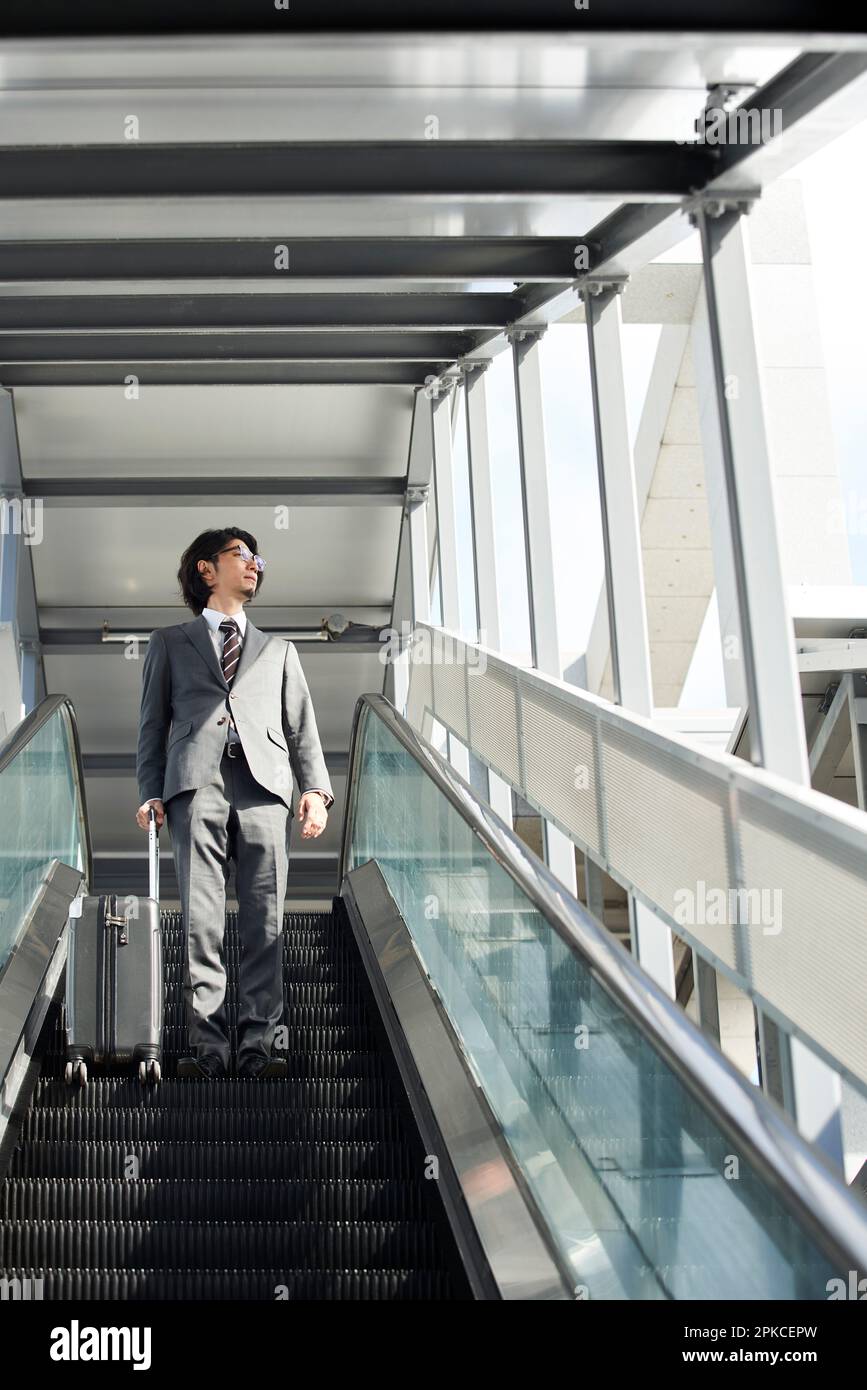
(222, 721)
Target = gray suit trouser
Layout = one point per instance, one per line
(233, 817)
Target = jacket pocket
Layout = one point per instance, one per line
(179, 731)
(277, 737)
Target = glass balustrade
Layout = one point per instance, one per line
(40, 819)
(645, 1192)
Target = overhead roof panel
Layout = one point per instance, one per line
(287, 217)
(97, 431)
(327, 556)
(524, 62)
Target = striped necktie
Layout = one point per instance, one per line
(231, 648)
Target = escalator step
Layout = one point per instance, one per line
(218, 1244)
(132, 1285)
(293, 1093)
(304, 1037)
(328, 970)
(334, 1060)
(319, 1162)
(329, 1013)
(119, 1199)
(210, 1126)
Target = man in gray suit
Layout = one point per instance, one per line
(242, 723)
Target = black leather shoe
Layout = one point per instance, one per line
(211, 1068)
(263, 1067)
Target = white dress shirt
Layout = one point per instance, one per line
(213, 618)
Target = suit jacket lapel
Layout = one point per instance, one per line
(199, 634)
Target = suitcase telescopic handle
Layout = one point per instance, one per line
(153, 855)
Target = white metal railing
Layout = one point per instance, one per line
(764, 878)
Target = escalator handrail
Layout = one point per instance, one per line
(15, 742)
(802, 1177)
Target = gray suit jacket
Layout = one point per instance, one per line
(183, 686)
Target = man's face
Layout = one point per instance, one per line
(235, 575)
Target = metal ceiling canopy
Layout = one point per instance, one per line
(642, 230)
(628, 169)
(629, 238)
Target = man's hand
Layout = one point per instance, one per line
(142, 817)
(313, 815)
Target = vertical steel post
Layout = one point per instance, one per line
(777, 734)
(624, 569)
(538, 546)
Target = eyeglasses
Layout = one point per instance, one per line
(245, 554)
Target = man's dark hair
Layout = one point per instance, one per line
(195, 590)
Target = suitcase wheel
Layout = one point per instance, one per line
(75, 1072)
(149, 1071)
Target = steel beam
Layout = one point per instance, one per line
(419, 475)
(392, 259)
(538, 549)
(179, 313)
(270, 616)
(314, 345)
(177, 491)
(812, 95)
(833, 738)
(88, 641)
(481, 481)
(777, 737)
(618, 500)
(778, 742)
(447, 535)
(446, 517)
(227, 373)
(667, 26)
(404, 596)
(809, 81)
(482, 507)
(535, 504)
(844, 726)
(624, 570)
(628, 169)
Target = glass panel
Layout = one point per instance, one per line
(509, 543)
(464, 524)
(39, 821)
(633, 1176)
(576, 516)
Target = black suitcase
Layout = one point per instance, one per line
(114, 981)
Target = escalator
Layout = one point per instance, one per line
(487, 1097)
(309, 1187)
